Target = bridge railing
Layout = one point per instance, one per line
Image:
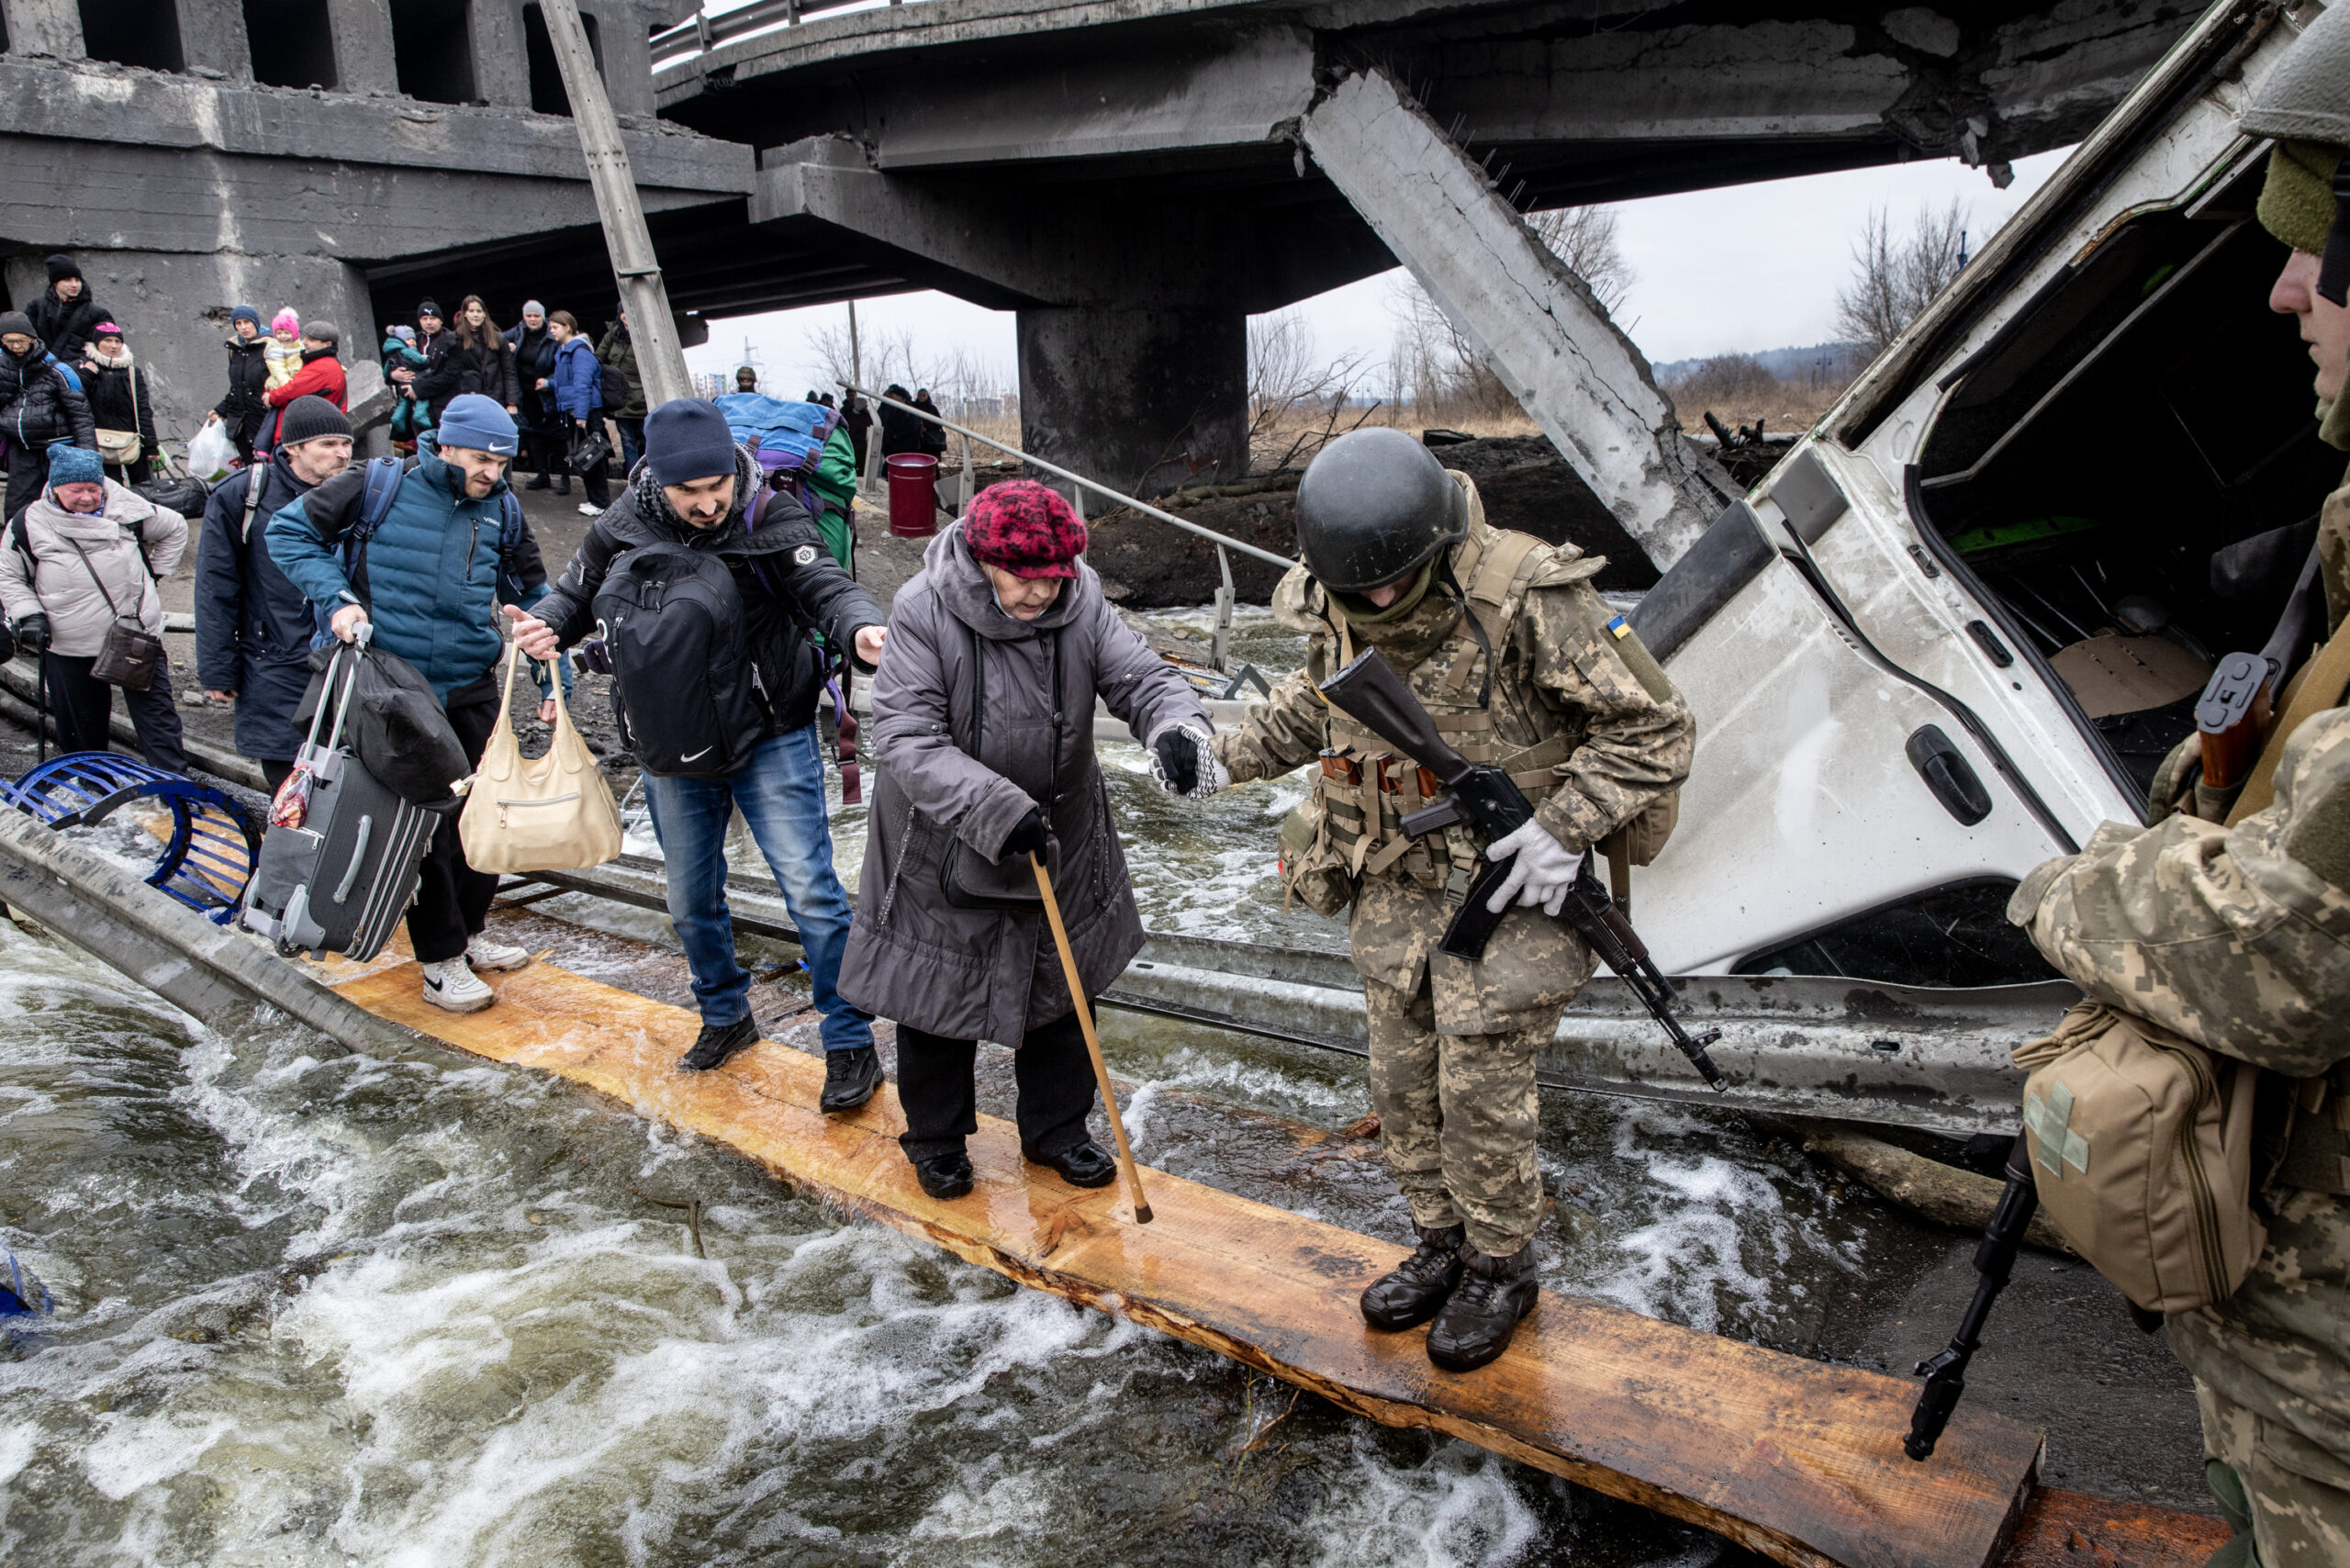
(702, 32)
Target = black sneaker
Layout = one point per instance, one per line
(1417, 1289)
(1086, 1165)
(945, 1175)
(850, 1079)
(717, 1042)
(1475, 1326)
(540, 482)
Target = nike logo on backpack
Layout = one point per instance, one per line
(699, 755)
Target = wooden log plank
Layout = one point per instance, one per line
(2074, 1529)
(1794, 1459)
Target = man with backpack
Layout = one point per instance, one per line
(719, 705)
(252, 625)
(423, 553)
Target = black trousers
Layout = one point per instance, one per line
(1051, 1067)
(82, 705)
(453, 900)
(27, 472)
(273, 771)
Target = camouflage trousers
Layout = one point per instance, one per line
(2272, 1382)
(1457, 1118)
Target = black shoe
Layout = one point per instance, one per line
(945, 1175)
(1474, 1327)
(1417, 1289)
(563, 486)
(717, 1042)
(850, 1079)
(539, 482)
(1086, 1165)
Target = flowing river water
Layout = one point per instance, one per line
(315, 1308)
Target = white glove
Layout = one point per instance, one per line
(1182, 762)
(1544, 871)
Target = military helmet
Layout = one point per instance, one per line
(2306, 98)
(1374, 506)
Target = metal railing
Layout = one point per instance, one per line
(701, 32)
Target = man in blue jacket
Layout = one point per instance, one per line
(252, 625)
(430, 588)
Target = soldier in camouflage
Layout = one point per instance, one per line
(1521, 664)
(2236, 934)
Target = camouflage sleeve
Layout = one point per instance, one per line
(2238, 938)
(1638, 731)
(1287, 730)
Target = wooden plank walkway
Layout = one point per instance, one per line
(1799, 1460)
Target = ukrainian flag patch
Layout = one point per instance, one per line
(1620, 627)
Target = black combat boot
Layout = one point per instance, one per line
(1476, 1323)
(946, 1175)
(850, 1078)
(717, 1042)
(1411, 1293)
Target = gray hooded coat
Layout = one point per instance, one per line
(990, 974)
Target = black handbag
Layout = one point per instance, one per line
(589, 452)
(131, 655)
(970, 879)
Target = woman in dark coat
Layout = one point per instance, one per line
(243, 409)
(115, 385)
(982, 725)
(541, 421)
(484, 362)
(901, 430)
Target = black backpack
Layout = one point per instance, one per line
(686, 693)
(612, 386)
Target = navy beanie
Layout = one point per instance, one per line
(243, 313)
(478, 423)
(687, 439)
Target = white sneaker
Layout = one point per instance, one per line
(448, 984)
(484, 954)
(589, 509)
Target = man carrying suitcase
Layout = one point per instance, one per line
(427, 580)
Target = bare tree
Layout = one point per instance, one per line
(1297, 399)
(1587, 238)
(1895, 280)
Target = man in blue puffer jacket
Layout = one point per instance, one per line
(431, 590)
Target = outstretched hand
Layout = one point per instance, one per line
(535, 635)
(869, 640)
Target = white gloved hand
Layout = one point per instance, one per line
(1182, 762)
(1545, 869)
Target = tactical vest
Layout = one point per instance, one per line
(1483, 705)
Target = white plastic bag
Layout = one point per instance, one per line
(209, 454)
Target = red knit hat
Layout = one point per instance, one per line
(1026, 529)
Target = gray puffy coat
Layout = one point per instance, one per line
(982, 973)
(54, 581)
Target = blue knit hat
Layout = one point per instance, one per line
(76, 466)
(687, 439)
(244, 313)
(476, 422)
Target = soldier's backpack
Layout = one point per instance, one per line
(2141, 1150)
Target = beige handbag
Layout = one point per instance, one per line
(121, 447)
(552, 814)
(2140, 1147)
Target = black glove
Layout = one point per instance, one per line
(32, 633)
(1178, 760)
(1027, 837)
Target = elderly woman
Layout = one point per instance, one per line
(983, 728)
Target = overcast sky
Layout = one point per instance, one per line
(1746, 268)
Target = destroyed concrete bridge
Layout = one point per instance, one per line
(1133, 177)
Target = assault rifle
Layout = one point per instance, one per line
(1994, 1260)
(1483, 797)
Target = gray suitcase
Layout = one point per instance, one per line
(340, 882)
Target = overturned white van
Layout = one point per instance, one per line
(1963, 621)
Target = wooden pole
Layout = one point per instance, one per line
(1093, 1042)
(660, 357)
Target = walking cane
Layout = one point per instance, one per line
(40, 704)
(1092, 1041)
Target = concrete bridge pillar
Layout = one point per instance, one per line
(1146, 398)
(43, 26)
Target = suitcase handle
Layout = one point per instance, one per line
(341, 710)
(358, 858)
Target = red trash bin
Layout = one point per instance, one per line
(913, 494)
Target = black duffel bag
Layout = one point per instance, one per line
(397, 727)
(182, 493)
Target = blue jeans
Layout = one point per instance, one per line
(781, 792)
(631, 444)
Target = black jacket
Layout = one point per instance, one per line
(252, 625)
(488, 369)
(65, 325)
(534, 358)
(933, 437)
(444, 375)
(901, 430)
(788, 580)
(242, 408)
(112, 405)
(39, 405)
